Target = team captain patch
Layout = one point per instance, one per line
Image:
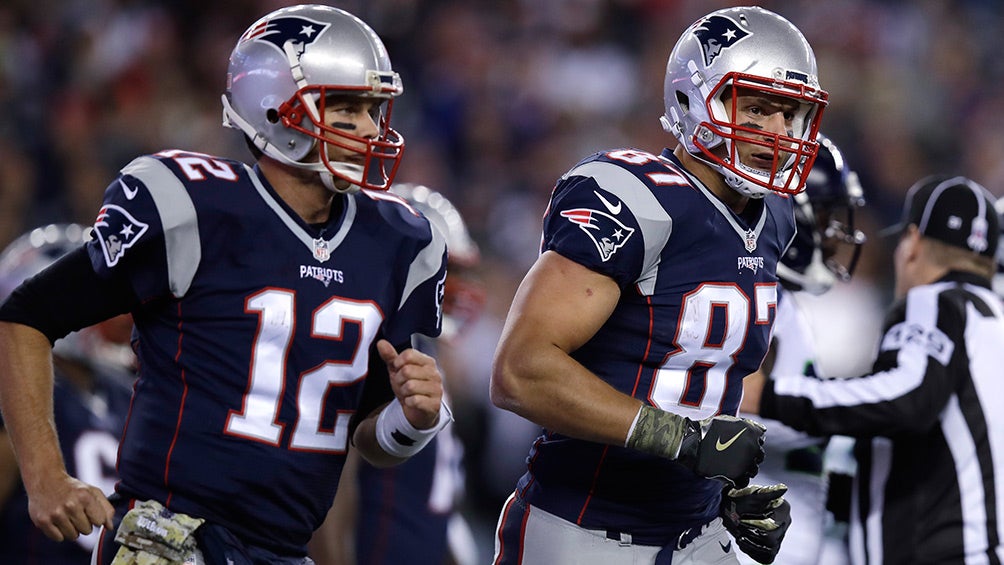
(607, 232)
(117, 231)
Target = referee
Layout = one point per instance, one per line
(929, 418)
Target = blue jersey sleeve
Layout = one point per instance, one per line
(586, 223)
(147, 227)
(421, 308)
(420, 270)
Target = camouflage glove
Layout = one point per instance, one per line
(153, 535)
(724, 447)
(732, 453)
(757, 517)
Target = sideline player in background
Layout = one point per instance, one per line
(653, 296)
(410, 513)
(927, 487)
(824, 217)
(94, 370)
(274, 308)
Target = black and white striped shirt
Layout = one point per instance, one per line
(929, 420)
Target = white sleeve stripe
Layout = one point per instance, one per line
(425, 265)
(912, 362)
(963, 448)
(879, 387)
(178, 220)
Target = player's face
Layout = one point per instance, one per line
(768, 113)
(355, 116)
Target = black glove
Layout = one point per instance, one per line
(757, 516)
(724, 447)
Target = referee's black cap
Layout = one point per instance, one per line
(954, 210)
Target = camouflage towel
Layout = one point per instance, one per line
(153, 535)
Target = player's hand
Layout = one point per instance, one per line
(724, 447)
(64, 507)
(757, 517)
(416, 382)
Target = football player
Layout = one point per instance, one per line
(274, 308)
(653, 296)
(94, 371)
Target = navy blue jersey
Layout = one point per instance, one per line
(89, 425)
(254, 336)
(698, 295)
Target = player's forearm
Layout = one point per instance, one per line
(26, 387)
(9, 474)
(548, 387)
(365, 442)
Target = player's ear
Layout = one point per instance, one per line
(910, 241)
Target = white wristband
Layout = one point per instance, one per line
(399, 438)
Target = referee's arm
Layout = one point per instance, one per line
(911, 380)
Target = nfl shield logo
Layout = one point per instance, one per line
(750, 240)
(321, 252)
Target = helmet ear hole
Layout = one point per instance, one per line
(683, 101)
(272, 115)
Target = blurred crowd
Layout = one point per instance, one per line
(501, 98)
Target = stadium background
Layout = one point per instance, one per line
(501, 97)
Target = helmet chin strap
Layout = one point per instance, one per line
(740, 184)
(341, 185)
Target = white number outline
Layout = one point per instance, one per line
(258, 417)
(706, 365)
(191, 163)
(636, 157)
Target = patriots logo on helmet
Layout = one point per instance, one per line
(117, 231)
(301, 31)
(607, 232)
(717, 33)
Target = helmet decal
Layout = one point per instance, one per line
(277, 31)
(717, 33)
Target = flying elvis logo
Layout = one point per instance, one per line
(277, 31)
(607, 232)
(717, 33)
(117, 231)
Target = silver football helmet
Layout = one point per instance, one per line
(102, 346)
(464, 296)
(283, 71)
(744, 49)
